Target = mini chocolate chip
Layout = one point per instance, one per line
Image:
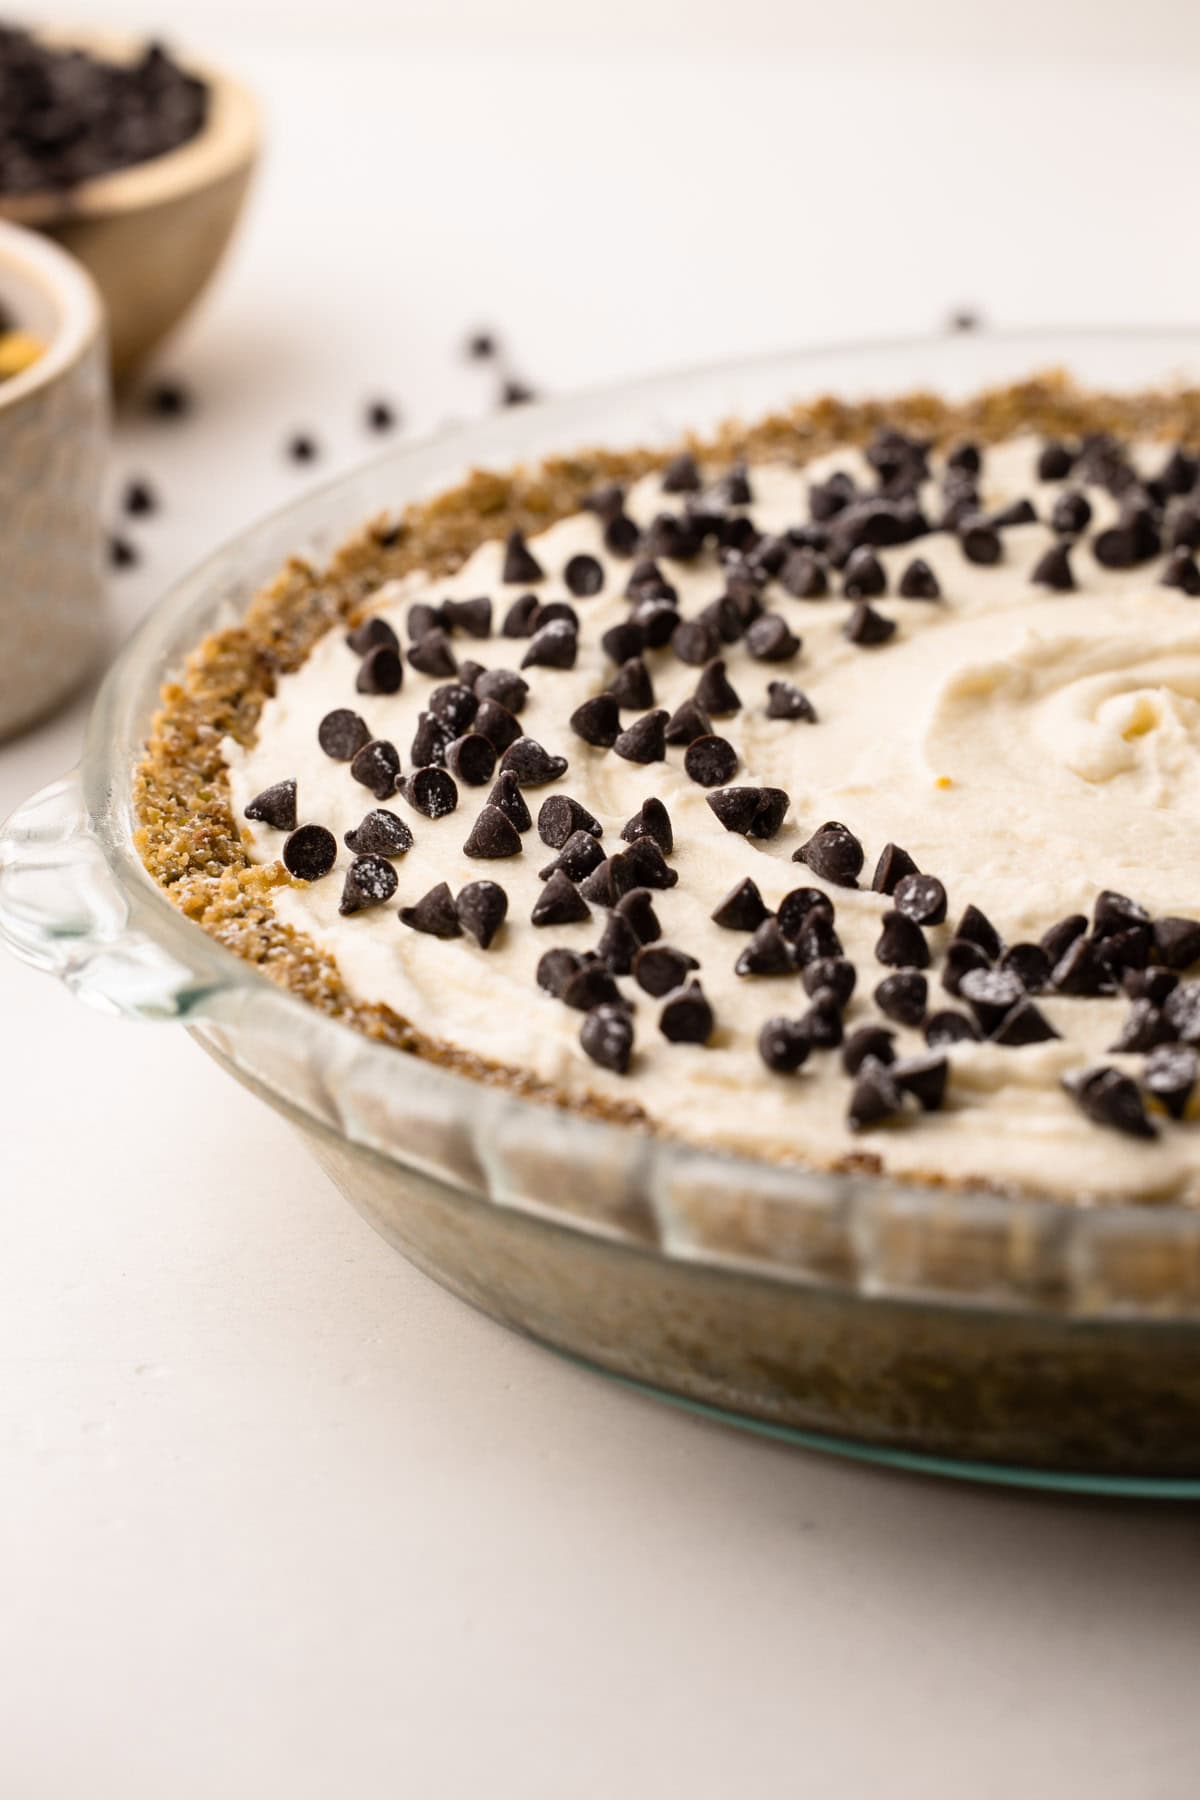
(560, 902)
(597, 721)
(1179, 473)
(868, 1040)
(688, 1017)
(797, 911)
(1030, 964)
(950, 1027)
(867, 627)
(832, 974)
(430, 791)
(767, 953)
(1109, 1098)
(606, 501)
(1082, 971)
(471, 758)
(770, 640)
(710, 761)
(1182, 571)
(555, 969)
(454, 706)
(1115, 912)
(556, 612)
(531, 764)
(657, 621)
(561, 817)
(754, 812)
(695, 641)
(472, 616)
(1017, 512)
(921, 898)
(432, 654)
(342, 734)
(302, 448)
(725, 618)
(370, 635)
(1145, 1027)
(507, 795)
(1170, 1075)
(834, 853)
(584, 576)
(310, 852)
(552, 646)
(591, 985)
(520, 564)
(828, 498)
(687, 723)
(874, 1098)
(893, 865)
(578, 857)
(681, 475)
(637, 907)
(622, 641)
(275, 806)
(924, 1077)
(1177, 942)
(433, 914)
(621, 535)
(645, 740)
(901, 943)
(481, 908)
(1149, 984)
(1055, 461)
(918, 582)
(1183, 526)
(607, 1037)
(659, 968)
(370, 881)
(965, 456)
(990, 993)
(601, 887)
(1114, 548)
(505, 687)
(1071, 513)
(1053, 570)
(977, 928)
(864, 577)
(518, 620)
(492, 836)
(139, 499)
(429, 741)
(651, 820)
(423, 617)
(903, 996)
(783, 1045)
(805, 576)
(1182, 1008)
(494, 722)
(1024, 1023)
(379, 416)
(643, 865)
(980, 542)
(1059, 938)
(742, 909)
(787, 702)
(1123, 950)
(961, 956)
(618, 945)
(469, 672)
(377, 766)
(631, 686)
(381, 833)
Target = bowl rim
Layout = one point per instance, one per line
(77, 305)
(228, 141)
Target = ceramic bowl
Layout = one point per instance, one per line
(153, 234)
(53, 442)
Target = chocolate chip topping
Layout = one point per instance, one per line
(1182, 572)
(695, 641)
(742, 909)
(579, 855)
(1059, 938)
(980, 542)
(430, 791)
(429, 741)
(432, 654)
(1177, 942)
(710, 761)
(805, 576)
(918, 582)
(381, 833)
(454, 706)
(921, 898)
(770, 640)
(342, 734)
(584, 576)
(519, 619)
(962, 956)
(1055, 461)
(561, 817)
(687, 1018)
(681, 475)
(834, 853)
(607, 1037)
(1017, 512)
(752, 812)
(507, 796)
(494, 722)
(504, 686)
(977, 928)
(1053, 570)
(642, 865)
(651, 820)
(637, 907)
(472, 616)
(767, 953)
(1071, 513)
(370, 881)
(950, 1027)
(555, 969)
(471, 759)
(597, 721)
(1145, 1027)
(867, 627)
(370, 634)
(1030, 964)
(783, 1045)
(864, 577)
(645, 740)
(1109, 1098)
(520, 564)
(1170, 1075)
(275, 806)
(687, 723)
(433, 914)
(310, 852)
(798, 911)
(554, 645)
(532, 765)
(621, 535)
(924, 1077)
(560, 902)
(1082, 971)
(874, 1098)
(591, 985)
(1182, 1009)
(787, 702)
(492, 836)
(481, 907)
(901, 943)
(830, 974)
(990, 993)
(377, 766)
(903, 996)
(618, 945)
(1024, 1023)
(631, 686)
(868, 1040)
(893, 865)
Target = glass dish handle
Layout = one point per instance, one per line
(61, 910)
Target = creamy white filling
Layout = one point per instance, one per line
(1029, 748)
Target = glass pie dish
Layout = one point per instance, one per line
(968, 1331)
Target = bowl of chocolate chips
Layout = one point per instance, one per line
(135, 162)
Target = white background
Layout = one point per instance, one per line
(276, 1515)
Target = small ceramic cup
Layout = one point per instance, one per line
(53, 443)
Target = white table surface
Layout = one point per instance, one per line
(278, 1516)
